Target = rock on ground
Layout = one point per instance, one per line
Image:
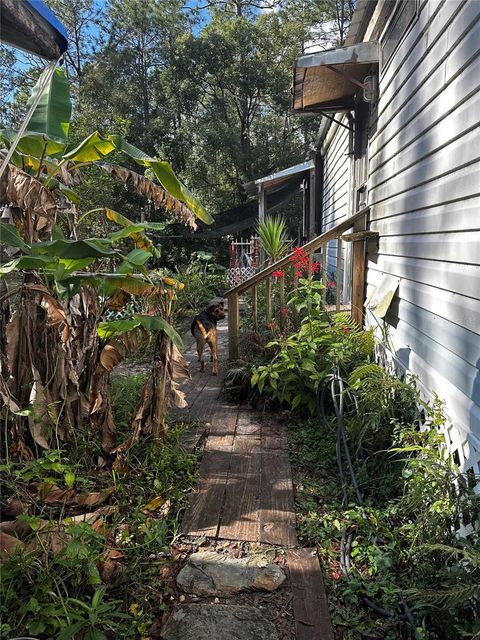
(218, 622)
(208, 573)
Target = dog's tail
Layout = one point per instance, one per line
(202, 330)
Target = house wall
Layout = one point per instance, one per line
(335, 195)
(424, 193)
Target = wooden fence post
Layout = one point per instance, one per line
(324, 274)
(254, 308)
(233, 326)
(358, 275)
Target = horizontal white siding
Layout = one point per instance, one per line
(335, 196)
(424, 192)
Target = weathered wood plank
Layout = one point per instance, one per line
(240, 517)
(310, 607)
(276, 505)
(203, 513)
(273, 437)
(222, 427)
(192, 437)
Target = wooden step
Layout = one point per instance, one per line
(310, 606)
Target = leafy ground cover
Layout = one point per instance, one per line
(393, 564)
(89, 553)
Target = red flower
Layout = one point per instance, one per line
(331, 284)
(315, 267)
(272, 325)
(298, 273)
(336, 575)
(346, 330)
(278, 273)
(284, 311)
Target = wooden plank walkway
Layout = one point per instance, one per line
(245, 489)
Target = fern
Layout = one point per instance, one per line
(448, 597)
(471, 555)
(369, 370)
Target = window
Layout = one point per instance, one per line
(403, 16)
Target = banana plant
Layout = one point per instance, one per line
(45, 162)
(58, 343)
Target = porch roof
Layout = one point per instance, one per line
(280, 178)
(329, 80)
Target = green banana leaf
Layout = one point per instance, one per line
(33, 144)
(165, 175)
(93, 148)
(54, 110)
(66, 267)
(11, 238)
(107, 330)
(27, 262)
(74, 249)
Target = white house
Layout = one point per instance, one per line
(400, 133)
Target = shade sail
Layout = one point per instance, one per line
(329, 80)
(31, 26)
(243, 217)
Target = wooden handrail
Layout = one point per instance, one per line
(358, 222)
(309, 247)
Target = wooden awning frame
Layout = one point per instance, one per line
(328, 80)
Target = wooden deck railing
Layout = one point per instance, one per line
(317, 245)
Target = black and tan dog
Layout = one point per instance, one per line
(204, 330)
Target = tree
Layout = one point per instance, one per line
(80, 17)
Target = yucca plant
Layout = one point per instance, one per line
(274, 242)
(273, 237)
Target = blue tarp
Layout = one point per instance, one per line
(30, 25)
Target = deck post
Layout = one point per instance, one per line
(268, 299)
(358, 273)
(324, 274)
(339, 271)
(233, 326)
(254, 308)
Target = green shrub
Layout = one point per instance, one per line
(203, 281)
(305, 358)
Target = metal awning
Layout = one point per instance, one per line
(329, 80)
(275, 180)
(31, 26)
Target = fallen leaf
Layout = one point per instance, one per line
(91, 499)
(8, 544)
(14, 507)
(51, 494)
(154, 504)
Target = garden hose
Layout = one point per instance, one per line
(340, 389)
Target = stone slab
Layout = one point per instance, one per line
(210, 573)
(218, 622)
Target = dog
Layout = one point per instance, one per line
(204, 330)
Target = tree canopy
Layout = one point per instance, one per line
(206, 85)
